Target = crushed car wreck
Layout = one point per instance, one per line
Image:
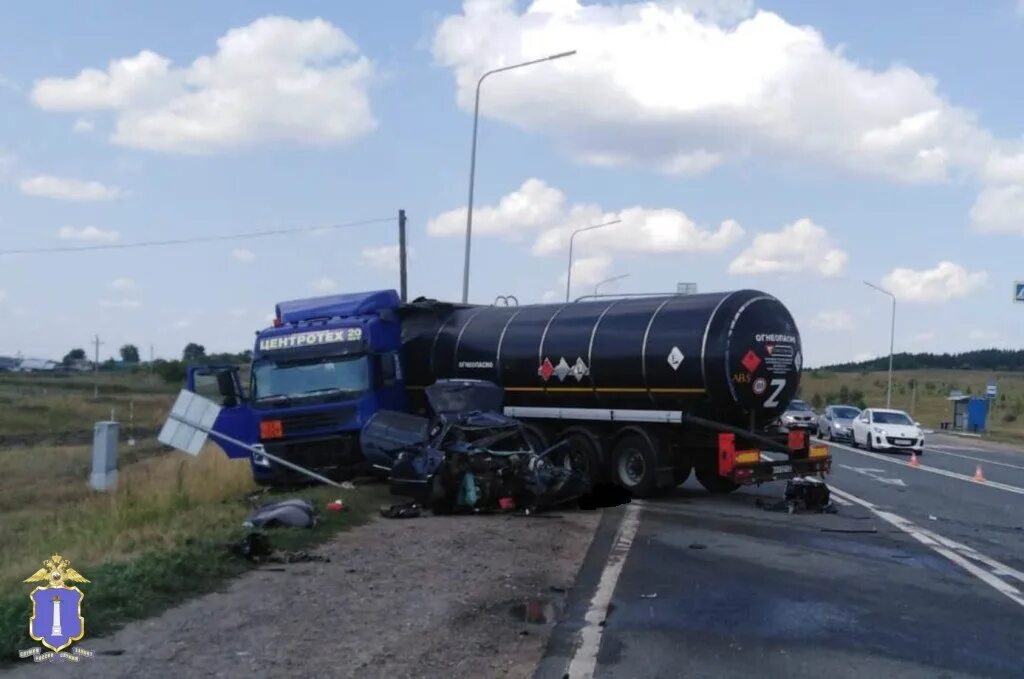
(467, 456)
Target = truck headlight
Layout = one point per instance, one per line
(258, 458)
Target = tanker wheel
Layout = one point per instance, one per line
(634, 465)
(713, 483)
(536, 437)
(581, 454)
(682, 472)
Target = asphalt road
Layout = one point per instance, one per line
(919, 574)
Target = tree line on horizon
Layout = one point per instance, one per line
(1002, 360)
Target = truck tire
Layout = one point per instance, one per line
(536, 437)
(634, 465)
(582, 452)
(713, 483)
(682, 472)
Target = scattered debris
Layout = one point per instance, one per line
(803, 494)
(348, 485)
(933, 517)
(697, 545)
(652, 595)
(409, 510)
(848, 530)
(336, 505)
(295, 513)
(536, 611)
(256, 547)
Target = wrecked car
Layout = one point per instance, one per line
(467, 456)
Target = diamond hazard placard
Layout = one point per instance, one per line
(750, 361)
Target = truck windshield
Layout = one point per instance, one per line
(309, 378)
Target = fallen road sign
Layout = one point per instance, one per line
(191, 421)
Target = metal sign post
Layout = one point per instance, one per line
(191, 420)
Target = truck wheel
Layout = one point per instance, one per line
(536, 437)
(682, 472)
(634, 465)
(713, 483)
(581, 453)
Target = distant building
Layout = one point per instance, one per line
(7, 363)
(80, 365)
(31, 365)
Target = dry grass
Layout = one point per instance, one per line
(929, 406)
(161, 502)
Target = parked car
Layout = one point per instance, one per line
(883, 429)
(836, 423)
(799, 415)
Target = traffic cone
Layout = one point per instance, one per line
(978, 476)
(913, 459)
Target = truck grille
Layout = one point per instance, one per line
(296, 424)
(335, 451)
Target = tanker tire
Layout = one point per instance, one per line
(681, 473)
(713, 483)
(634, 465)
(581, 454)
(536, 438)
(440, 504)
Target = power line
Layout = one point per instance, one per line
(197, 239)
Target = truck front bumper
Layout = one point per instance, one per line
(337, 457)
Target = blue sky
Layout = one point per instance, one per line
(794, 147)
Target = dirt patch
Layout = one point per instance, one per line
(426, 597)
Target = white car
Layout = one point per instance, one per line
(883, 429)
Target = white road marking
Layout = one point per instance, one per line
(932, 449)
(584, 660)
(970, 448)
(875, 474)
(959, 554)
(933, 470)
(840, 501)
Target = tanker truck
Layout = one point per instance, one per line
(643, 390)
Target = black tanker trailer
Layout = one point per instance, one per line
(643, 389)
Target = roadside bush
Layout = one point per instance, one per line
(172, 372)
(817, 402)
(1009, 417)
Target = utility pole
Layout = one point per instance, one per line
(150, 359)
(96, 367)
(402, 274)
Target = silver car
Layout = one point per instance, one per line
(836, 423)
(799, 415)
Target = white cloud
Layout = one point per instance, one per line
(383, 256)
(922, 337)
(532, 206)
(120, 303)
(66, 188)
(862, 356)
(324, 285)
(800, 246)
(586, 271)
(276, 79)
(244, 255)
(980, 335)
(653, 84)
(87, 233)
(999, 209)
(832, 320)
(541, 210)
(83, 125)
(123, 285)
(182, 323)
(944, 282)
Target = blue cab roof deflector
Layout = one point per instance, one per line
(353, 304)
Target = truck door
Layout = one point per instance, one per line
(221, 385)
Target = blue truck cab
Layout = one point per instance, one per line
(324, 367)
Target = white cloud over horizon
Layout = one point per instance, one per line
(802, 246)
(243, 255)
(67, 188)
(946, 281)
(89, 234)
(276, 79)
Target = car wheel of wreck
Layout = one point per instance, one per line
(713, 483)
(536, 437)
(634, 465)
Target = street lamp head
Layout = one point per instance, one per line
(562, 54)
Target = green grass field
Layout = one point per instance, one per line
(160, 537)
(927, 403)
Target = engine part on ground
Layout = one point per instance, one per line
(407, 510)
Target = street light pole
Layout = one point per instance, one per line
(609, 280)
(892, 339)
(572, 238)
(472, 159)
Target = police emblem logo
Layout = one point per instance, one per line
(56, 620)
